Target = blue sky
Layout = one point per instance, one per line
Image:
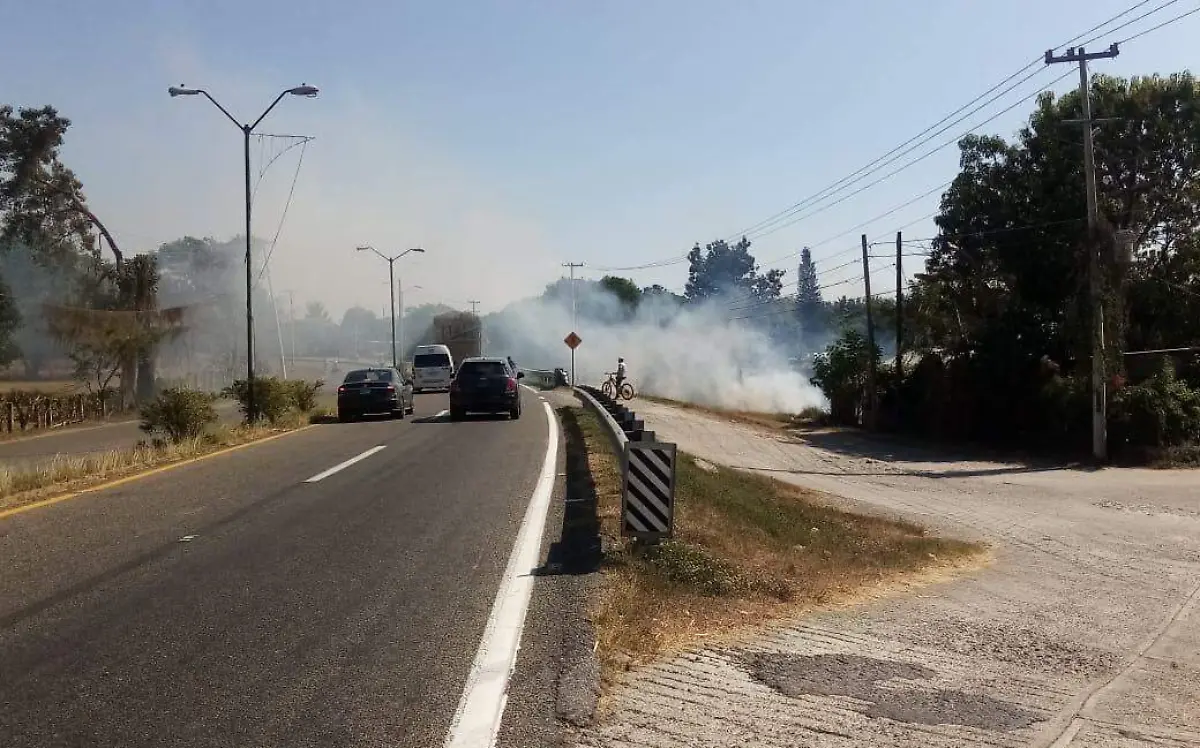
(509, 137)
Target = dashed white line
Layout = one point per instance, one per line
(343, 465)
(477, 720)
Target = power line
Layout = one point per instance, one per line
(851, 178)
(1168, 22)
(1131, 21)
(287, 204)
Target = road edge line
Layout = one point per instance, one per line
(476, 722)
(5, 513)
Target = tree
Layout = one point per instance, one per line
(810, 306)
(720, 269)
(626, 291)
(1004, 298)
(41, 200)
(10, 320)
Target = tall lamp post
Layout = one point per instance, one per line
(391, 261)
(308, 92)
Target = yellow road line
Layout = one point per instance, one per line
(145, 474)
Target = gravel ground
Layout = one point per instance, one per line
(1084, 632)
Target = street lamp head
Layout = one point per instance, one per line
(306, 91)
(181, 91)
(417, 249)
(362, 249)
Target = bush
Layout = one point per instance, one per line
(1159, 412)
(179, 413)
(272, 398)
(841, 374)
(303, 395)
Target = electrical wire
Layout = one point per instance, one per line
(1152, 29)
(287, 204)
(1131, 21)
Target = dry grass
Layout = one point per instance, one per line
(73, 473)
(807, 417)
(48, 386)
(748, 550)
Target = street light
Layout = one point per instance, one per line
(307, 92)
(391, 261)
(401, 299)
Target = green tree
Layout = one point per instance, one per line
(720, 269)
(810, 306)
(626, 291)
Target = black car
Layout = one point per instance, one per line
(367, 391)
(485, 385)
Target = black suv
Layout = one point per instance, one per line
(485, 385)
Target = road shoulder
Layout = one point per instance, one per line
(555, 685)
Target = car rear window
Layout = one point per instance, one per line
(368, 375)
(430, 360)
(484, 369)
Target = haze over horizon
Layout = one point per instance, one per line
(507, 139)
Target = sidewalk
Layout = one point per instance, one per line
(1084, 631)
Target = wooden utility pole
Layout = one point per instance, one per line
(871, 362)
(1095, 286)
(899, 308)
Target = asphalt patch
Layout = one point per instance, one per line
(883, 688)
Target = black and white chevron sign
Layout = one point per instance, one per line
(648, 501)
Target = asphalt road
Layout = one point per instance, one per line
(78, 441)
(230, 602)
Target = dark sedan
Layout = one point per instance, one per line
(485, 385)
(368, 391)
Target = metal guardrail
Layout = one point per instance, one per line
(615, 433)
(539, 378)
(647, 469)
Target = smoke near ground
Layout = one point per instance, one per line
(691, 352)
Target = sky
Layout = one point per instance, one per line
(507, 137)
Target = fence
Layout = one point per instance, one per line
(29, 411)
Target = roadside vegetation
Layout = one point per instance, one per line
(181, 424)
(747, 550)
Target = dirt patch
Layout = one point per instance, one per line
(885, 689)
(748, 550)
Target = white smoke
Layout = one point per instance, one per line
(695, 352)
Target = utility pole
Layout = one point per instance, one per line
(899, 309)
(478, 324)
(574, 318)
(1095, 287)
(871, 362)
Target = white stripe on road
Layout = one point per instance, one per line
(477, 721)
(441, 414)
(343, 465)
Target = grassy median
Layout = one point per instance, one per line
(748, 549)
(67, 473)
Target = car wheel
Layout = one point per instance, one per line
(515, 413)
(456, 414)
(398, 414)
(344, 417)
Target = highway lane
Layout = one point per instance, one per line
(230, 602)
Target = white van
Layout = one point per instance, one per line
(433, 368)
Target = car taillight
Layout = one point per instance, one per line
(512, 385)
(391, 388)
(341, 389)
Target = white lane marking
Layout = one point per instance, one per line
(477, 720)
(187, 538)
(442, 414)
(343, 465)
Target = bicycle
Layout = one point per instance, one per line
(609, 388)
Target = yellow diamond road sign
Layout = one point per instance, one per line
(572, 341)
